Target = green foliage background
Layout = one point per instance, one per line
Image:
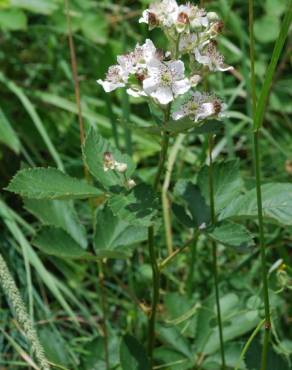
(39, 127)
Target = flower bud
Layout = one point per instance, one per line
(195, 79)
(108, 161)
(212, 16)
(130, 183)
(216, 28)
(121, 167)
(182, 21)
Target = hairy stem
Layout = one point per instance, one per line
(165, 201)
(152, 252)
(103, 301)
(259, 196)
(214, 254)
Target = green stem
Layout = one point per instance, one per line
(214, 253)
(103, 302)
(259, 196)
(152, 252)
(263, 253)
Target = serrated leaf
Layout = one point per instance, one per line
(181, 215)
(7, 134)
(231, 234)
(132, 354)
(236, 326)
(50, 183)
(276, 203)
(57, 242)
(138, 207)
(93, 151)
(114, 236)
(58, 213)
(227, 183)
(194, 202)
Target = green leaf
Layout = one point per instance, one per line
(12, 20)
(95, 27)
(37, 6)
(231, 234)
(138, 207)
(194, 202)
(173, 337)
(264, 94)
(7, 134)
(182, 216)
(50, 183)
(113, 236)
(236, 326)
(58, 213)
(57, 242)
(276, 202)
(266, 28)
(132, 354)
(227, 183)
(93, 150)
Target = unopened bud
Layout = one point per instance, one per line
(130, 184)
(152, 20)
(121, 167)
(212, 16)
(195, 79)
(217, 28)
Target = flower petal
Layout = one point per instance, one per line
(181, 87)
(163, 95)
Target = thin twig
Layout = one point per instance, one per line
(165, 201)
(74, 72)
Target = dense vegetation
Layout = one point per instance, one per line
(85, 250)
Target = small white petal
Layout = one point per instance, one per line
(181, 87)
(203, 59)
(206, 110)
(163, 95)
(110, 86)
(178, 67)
(150, 84)
(178, 115)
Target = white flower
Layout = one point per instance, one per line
(191, 15)
(211, 58)
(115, 77)
(137, 59)
(187, 42)
(166, 80)
(199, 107)
(160, 14)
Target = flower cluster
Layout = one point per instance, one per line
(162, 76)
(110, 164)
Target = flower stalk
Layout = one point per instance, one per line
(151, 246)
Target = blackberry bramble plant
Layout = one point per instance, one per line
(172, 81)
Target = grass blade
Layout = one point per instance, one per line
(35, 118)
(259, 114)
